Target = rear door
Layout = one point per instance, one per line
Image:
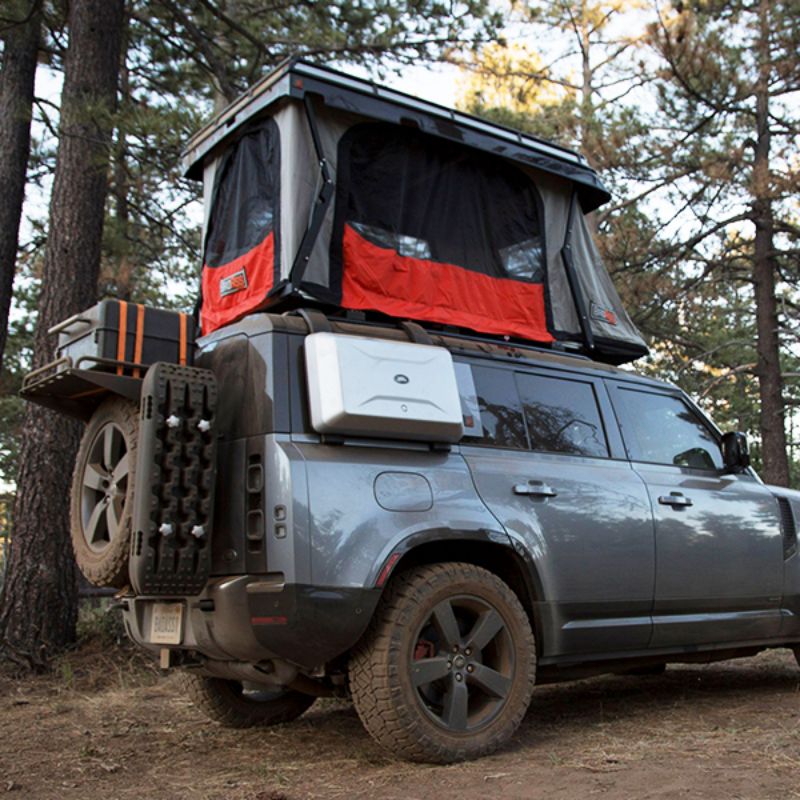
(553, 472)
(719, 547)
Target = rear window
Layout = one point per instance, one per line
(562, 416)
(527, 411)
(501, 421)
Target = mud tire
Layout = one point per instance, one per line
(225, 702)
(429, 720)
(104, 560)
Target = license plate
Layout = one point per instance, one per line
(165, 623)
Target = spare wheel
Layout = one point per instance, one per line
(102, 493)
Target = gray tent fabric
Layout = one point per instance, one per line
(312, 128)
(608, 317)
(556, 196)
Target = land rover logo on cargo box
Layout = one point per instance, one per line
(231, 284)
(401, 378)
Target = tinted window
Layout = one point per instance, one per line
(562, 415)
(501, 415)
(662, 429)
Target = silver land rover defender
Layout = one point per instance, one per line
(393, 457)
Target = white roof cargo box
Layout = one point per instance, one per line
(369, 387)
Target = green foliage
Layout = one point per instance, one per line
(183, 60)
(98, 619)
(666, 111)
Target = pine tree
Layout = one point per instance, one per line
(38, 605)
(21, 30)
(731, 71)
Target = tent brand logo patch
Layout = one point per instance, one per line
(237, 282)
(603, 314)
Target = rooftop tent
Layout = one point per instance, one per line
(319, 186)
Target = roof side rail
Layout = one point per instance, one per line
(416, 333)
(316, 321)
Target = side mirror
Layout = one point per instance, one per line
(735, 453)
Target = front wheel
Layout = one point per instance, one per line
(243, 705)
(446, 670)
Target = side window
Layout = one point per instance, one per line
(662, 429)
(245, 197)
(498, 403)
(562, 415)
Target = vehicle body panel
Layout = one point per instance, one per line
(307, 526)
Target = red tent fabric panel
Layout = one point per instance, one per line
(239, 287)
(380, 279)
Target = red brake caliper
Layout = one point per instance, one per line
(424, 649)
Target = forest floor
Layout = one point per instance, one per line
(107, 724)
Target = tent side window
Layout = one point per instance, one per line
(430, 229)
(428, 198)
(241, 254)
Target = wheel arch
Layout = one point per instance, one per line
(491, 550)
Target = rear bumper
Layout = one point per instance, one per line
(248, 619)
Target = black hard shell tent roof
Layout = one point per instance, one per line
(325, 186)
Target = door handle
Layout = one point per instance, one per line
(675, 499)
(535, 489)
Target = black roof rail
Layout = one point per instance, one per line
(561, 349)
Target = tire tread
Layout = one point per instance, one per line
(112, 568)
(378, 699)
(219, 701)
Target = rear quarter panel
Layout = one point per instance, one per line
(352, 533)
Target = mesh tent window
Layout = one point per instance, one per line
(240, 265)
(437, 231)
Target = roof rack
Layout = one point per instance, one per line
(411, 329)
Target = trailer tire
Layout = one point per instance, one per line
(227, 702)
(101, 501)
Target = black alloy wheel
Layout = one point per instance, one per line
(235, 704)
(463, 663)
(446, 669)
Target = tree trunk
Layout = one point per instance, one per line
(38, 606)
(587, 101)
(768, 369)
(21, 47)
(122, 277)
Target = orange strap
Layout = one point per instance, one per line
(137, 352)
(122, 335)
(87, 393)
(182, 351)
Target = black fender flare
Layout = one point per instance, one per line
(528, 570)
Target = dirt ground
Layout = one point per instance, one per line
(110, 726)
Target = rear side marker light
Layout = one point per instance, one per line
(387, 569)
(269, 620)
